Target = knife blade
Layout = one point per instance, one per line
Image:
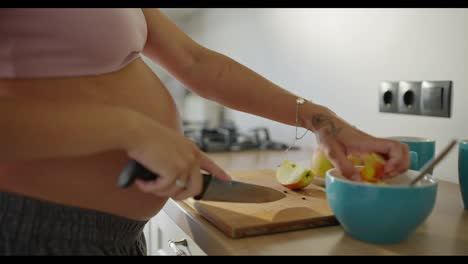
(213, 188)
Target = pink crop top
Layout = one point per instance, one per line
(56, 42)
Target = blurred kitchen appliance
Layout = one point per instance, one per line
(227, 138)
(206, 124)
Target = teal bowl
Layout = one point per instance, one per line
(381, 213)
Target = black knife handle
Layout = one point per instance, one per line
(206, 182)
(134, 170)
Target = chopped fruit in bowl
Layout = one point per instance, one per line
(371, 166)
(357, 161)
(293, 176)
(373, 169)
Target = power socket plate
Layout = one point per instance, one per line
(436, 98)
(409, 94)
(388, 97)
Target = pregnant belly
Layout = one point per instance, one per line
(91, 181)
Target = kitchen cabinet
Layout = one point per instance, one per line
(164, 237)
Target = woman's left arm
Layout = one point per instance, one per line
(215, 76)
(219, 78)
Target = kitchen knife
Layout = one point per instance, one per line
(213, 188)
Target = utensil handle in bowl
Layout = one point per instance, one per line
(433, 162)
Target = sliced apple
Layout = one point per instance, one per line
(357, 161)
(320, 163)
(373, 170)
(372, 165)
(293, 176)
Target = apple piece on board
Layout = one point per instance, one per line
(293, 176)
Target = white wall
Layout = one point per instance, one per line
(336, 57)
(179, 16)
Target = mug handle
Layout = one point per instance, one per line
(414, 160)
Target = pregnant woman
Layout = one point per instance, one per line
(77, 102)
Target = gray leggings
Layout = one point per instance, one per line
(35, 227)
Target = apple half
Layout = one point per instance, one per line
(293, 176)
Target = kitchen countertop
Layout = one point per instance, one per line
(445, 232)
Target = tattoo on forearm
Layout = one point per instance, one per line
(320, 121)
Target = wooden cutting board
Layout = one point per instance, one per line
(302, 209)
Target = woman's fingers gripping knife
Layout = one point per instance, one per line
(177, 187)
(196, 181)
(173, 179)
(210, 166)
(183, 179)
(182, 187)
(193, 185)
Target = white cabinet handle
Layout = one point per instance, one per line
(174, 244)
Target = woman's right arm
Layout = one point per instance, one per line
(37, 130)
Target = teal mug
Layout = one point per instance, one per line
(424, 147)
(463, 170)
(414, 160)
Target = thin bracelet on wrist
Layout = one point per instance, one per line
(299, 101)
